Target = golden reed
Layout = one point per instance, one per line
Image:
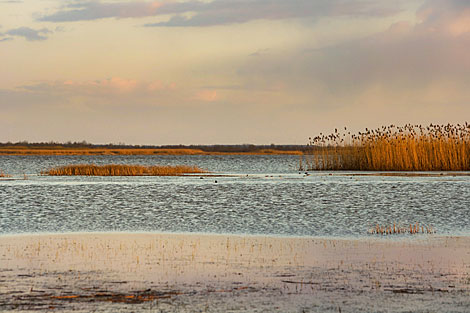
(121, 170)
(392, 148)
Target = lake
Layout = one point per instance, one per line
(247, 194)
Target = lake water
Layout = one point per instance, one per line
(247, 195)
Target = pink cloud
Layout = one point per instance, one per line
(461, 24)
(206, 95)
(446, 17)
(117, 90)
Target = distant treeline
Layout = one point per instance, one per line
(206, 148)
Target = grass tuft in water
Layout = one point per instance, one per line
(121, 170)
(400, 229)
(3, 175)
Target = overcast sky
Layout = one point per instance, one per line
(228, 71)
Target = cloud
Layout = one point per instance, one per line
(450, 17)
(27, 33)
(82, 11)
(114, 86)
(411, 72)
(113, 91)
(222, 12)
(423, 65)
(206, 95)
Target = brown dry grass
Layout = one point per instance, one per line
(121, 170)
(277, 152)
(399, 229)
(406, 148)
(22, 150)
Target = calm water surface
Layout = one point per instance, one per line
(253, 195)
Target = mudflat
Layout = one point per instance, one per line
(110, 272)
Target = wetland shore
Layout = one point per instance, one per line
(108, 272)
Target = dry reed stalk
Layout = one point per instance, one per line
(121, 170)
(397, 229)
(392, 148)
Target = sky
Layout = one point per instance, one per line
(228, 71)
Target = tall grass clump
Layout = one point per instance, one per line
(399, 229)
(392, 148)
(121, 170)
(3, 175)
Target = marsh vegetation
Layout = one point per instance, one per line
(3, 175)
(392, 148)
(121, 170)
(401, 229)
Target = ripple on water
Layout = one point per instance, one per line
(283, 203)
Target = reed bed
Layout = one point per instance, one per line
(392, 148)
(399, 229)
(121, 170)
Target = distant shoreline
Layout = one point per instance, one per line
(84, 148)
(133, 151)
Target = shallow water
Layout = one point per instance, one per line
(254, 195)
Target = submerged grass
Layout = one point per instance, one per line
(392, 148)
(121, 170)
